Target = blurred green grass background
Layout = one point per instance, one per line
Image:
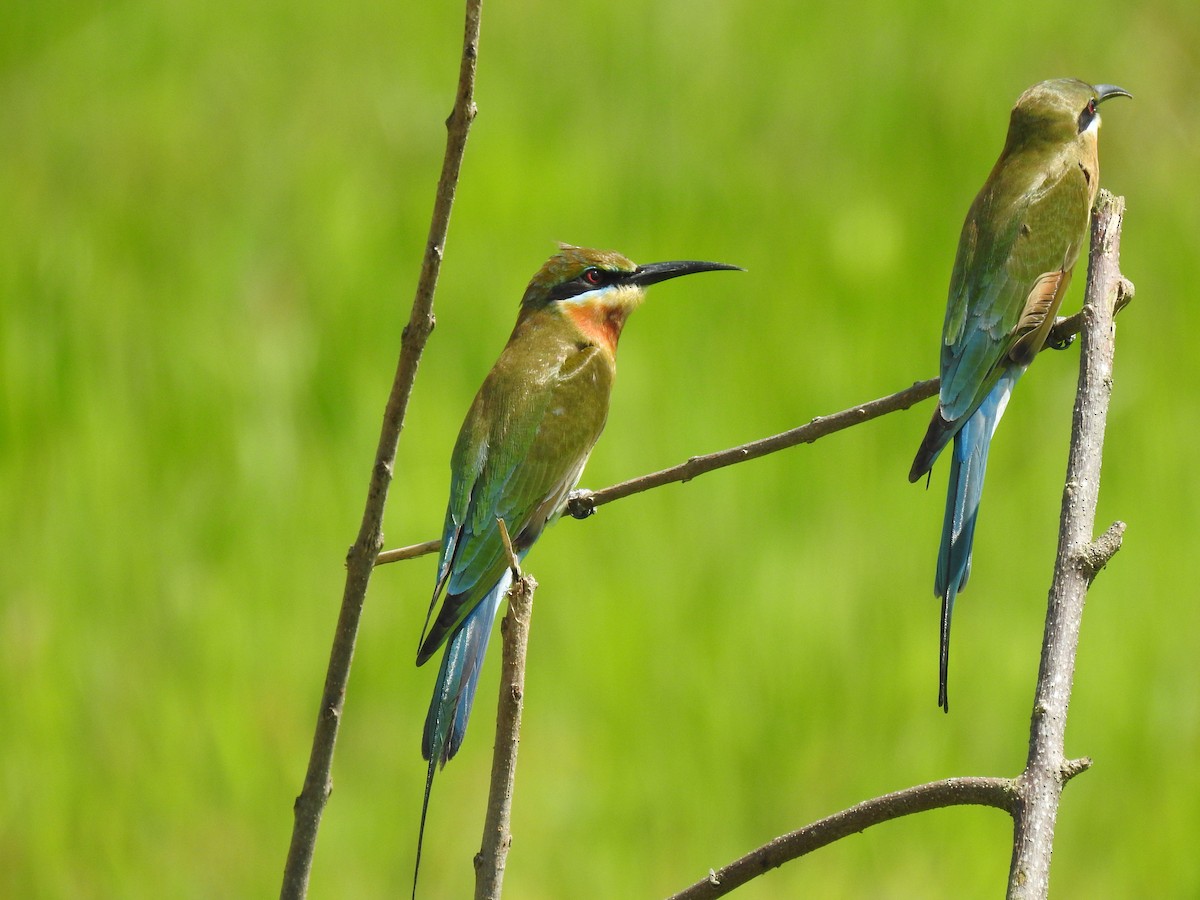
(213, 222)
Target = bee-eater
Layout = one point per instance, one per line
(521, 450)
(1015, 256)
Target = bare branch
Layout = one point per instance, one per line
(583, 503)
(1079, 558)
(1073, 767)
(513, 562)
(360, 560)
(490, 861)
(410, 552)
(1032, 798)
(995, 792)
(1095, 556)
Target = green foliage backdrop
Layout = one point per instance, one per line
(213, 217)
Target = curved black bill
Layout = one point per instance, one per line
(653, 273)
(1104, 91)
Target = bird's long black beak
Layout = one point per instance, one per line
(1104, 91)
(653, 273)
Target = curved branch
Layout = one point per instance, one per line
(360, 560)
(999, 793)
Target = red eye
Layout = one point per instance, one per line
(593, 276)
(1092, 106)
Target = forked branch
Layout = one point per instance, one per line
(1032, 798)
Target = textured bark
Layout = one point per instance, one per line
(360, 560)
(1047, 769)
(997, 792)
(497, 837)
(583, 503)
(1032, 798)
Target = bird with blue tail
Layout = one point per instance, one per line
(519, 453)
(1020, 242)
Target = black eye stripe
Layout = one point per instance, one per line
(1089, 113)
(588, 280)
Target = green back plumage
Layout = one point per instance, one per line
(519, 453)
(1028, 221)
(536, 418)
(1021, 239)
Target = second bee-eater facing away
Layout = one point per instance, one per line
(520, 452)
(1019, 244)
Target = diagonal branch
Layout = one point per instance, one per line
(360, 560)
(996, 792)
(583, 503)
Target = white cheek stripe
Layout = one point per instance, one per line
(589, 297)
(611, 295)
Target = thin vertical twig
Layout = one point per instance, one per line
(497, 836)
(497, 833)
(360, 560)
(1080, 557)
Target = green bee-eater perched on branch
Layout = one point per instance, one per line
(1019, 245)
(520, 452)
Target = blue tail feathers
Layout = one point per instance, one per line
(967, 467)
(454, 690)
(454, 693)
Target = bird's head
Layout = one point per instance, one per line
(598, 289)
(1058, 111)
